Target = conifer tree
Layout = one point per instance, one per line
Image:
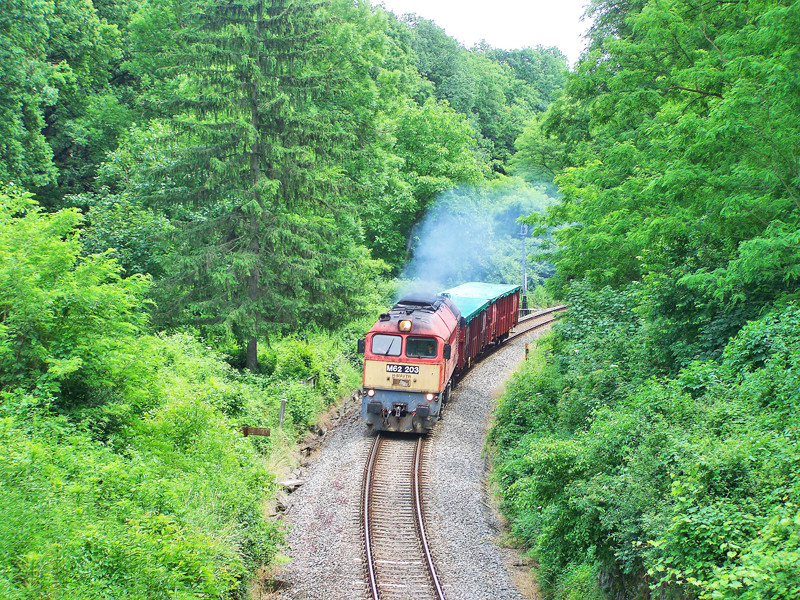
(266, 244)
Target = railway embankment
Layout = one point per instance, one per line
(325, 540)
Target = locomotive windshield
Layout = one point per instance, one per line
(421, 347)
(386, 345)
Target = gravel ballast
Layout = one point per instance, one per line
(324, 542)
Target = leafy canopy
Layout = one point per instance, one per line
(68, 322)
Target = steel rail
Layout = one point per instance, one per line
(421, 521)
(371, 479)
(541, 312)
(416, 493)
(368, 469)
(528, 326)
(525, 325)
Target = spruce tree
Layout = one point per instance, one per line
(265, 243)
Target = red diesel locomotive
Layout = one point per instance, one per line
(415, 352)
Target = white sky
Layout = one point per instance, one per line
(507, 24)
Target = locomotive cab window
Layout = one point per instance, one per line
(387, 345)
(421, 347)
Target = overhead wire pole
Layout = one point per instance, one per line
(524, 234)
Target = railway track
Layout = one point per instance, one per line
(399, 564)
(398, 560)
(536, 320)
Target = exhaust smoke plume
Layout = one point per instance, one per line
(473, 235)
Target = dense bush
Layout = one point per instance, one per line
(169, 506)
(69, 323)
(632, 486)
(123, 473)
(170, 502)
(653, 449)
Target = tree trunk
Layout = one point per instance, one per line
(255, 176)
(252, 355)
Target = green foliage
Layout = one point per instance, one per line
(171, 508)
(768, 564)
(498, 90)
(670, 148)
(122, 217)
(343, 162)
(123, 472)
(579, 582)
(133, 236)
(60, 114)
(68, 322)
(436, 145)
(428, 150)
(311, 374)
(660, 438)
(656, 443)
(552, 141)
(540, 297)
(684, 487)
(171, 502)
(29, 85)
(421, 152)
(544, 69)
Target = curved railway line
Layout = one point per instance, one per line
(536, 319)
(398, 561)
(528, 323)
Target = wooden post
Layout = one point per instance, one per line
(247, 431)
(282, 414)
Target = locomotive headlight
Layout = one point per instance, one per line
(404, 325)
(370, 393)
(429, 397)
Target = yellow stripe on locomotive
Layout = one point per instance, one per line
(377, 375)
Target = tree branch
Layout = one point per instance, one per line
(789, 190)
(701, 92)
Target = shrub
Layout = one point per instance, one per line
(123, 473)
(683, 487)
(175, 515)
(70, 323)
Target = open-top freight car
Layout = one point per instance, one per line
(415, 352)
